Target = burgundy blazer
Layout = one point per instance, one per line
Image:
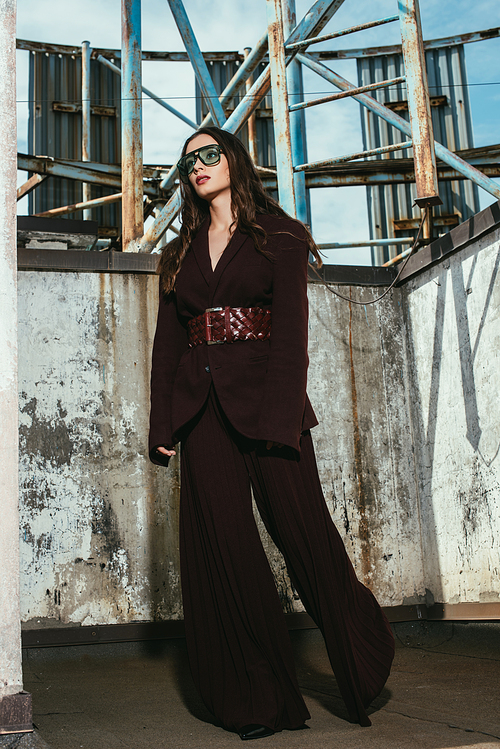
(261, 385)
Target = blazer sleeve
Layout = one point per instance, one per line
(170, 342)
(284, 396)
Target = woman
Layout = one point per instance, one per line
(237, 276)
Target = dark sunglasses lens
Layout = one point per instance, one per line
(189, 162)
(210, 155)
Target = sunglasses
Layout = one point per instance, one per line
(208, 155)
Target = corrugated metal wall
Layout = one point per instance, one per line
(55, 129)
(390, 207)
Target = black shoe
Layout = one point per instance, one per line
(254, 731)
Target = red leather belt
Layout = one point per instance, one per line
(228, 324)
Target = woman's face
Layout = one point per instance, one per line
(208, 181)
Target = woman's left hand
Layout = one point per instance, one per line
(270, 444)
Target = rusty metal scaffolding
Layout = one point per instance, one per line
(286, 46)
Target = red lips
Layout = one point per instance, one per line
(201, 178)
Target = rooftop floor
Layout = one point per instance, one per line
(444, 692)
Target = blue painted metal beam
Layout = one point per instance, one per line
(297, 119)
(468, 171)
(131, 117)
(336, 34)
(241, 75)
(313, 22)
(395, 49)
(281, 116)
(199, 65)
(232, 88)
(344, 94)
(352, 156)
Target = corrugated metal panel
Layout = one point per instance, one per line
(390, 207)
(221, 73)
(55, 129)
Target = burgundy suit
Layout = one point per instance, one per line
(261, 384)
(224, 402)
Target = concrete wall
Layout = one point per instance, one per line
(453, 325)
(409, 467)
(98, 521)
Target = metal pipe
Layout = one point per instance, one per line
(281, 116)
(132, 175)
(468, 171)
(448, 41)
(172, 110)
(199, 65)
(251, 123)
(85, 205)
(297, 119)
(161, 223)
(395, 49)
(242, 74)
(366, 243)
(11, 680)
(336, 34)
(418, 104)
(396, 259)
(30, 185)
(86, 135)
(352, 156)
(48, 166)
(344, 94)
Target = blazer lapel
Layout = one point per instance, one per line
(199, 247)
(235, 243)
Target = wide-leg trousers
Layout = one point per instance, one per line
(238, 644)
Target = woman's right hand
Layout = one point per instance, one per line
(164, 451)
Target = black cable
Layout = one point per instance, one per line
(403, 266)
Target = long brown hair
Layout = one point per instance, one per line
(248, 200)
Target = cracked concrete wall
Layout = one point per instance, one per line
(407, 444)
(358, 384)
(98, 520)
(453, 325)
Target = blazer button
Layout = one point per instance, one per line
(207, 368)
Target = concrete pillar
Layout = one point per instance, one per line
(15, 705)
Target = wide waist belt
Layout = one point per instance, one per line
(228, 324)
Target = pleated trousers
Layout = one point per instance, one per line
(238, 644)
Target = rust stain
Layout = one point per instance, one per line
(364, 533)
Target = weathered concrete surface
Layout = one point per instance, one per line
(408, 442)
(98, 521)
(443, 692)
(453, 327)
(358, 386)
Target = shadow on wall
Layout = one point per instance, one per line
(454, 395)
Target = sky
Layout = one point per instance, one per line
(338, 214)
